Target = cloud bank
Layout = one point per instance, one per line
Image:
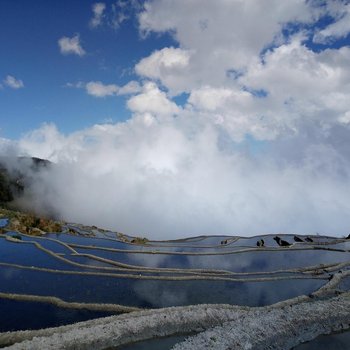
(261, 143)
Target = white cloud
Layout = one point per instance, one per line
(171, 178)
(98, 13)
(167, 65)
(78, 85)
(122, 10)
(235, 111)
(115, 15)
(338, 29)
(132, 87)
(13, 83)
(303, 85)
(219, 35)
(345, 118)
(71, 46)
(232, 79)
(154, 101)
(212, 99)
(48, 142)
(98, 89)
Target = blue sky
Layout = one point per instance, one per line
(29, 34)
(183, 117)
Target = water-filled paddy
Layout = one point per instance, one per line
(151, 293)
(345, 284)
(246, 261)
(91, 266)
(28, 254)
(19, 315)
(3, 222)
(336, 341)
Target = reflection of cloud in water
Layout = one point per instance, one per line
(9, 273)
(266, 260)
(150, 260)
(282, 290)
(166, 293)
(253, 261)
(222, 262)
(160, 294)
(90, 262)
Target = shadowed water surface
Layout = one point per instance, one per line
(21, 315)
(337, 341)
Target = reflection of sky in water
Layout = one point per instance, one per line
(87, 261)
(342, 245)
(3, 222)
(239, 262)
(149, 260)
(339, 341)
(75, 239)
(345, 284)
(27, 254)
(152, 293)
(268, 261)
(55, 247)
(239, 293)
(67, 287)
(112, 243)
(17, 315)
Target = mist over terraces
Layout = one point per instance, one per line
(16, 174)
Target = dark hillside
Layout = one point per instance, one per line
(15, 175)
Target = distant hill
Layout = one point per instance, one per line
(15, 175)
(6, 186)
